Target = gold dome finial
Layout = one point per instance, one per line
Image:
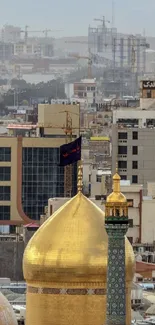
(80, 177)
(116, 166)
(116, 197)
(116, 181)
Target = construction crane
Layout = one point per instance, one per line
(133, 62)
(46, 31)
(102, 20)
(92, 58)
(89, 58)
(68, 130)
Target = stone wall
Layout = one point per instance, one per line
(11, 256)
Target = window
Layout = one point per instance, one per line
(122, 150)
(4, 212)
(122, 135)
(137, 301)
(122, 164)
(42, 178)
(98, 178)
(134, 135)
(5, 174)
(134, 179)
(123, 177)
(135, 150)
(149, 95)
(130, 203)
(130, 223)
(4, 193)
(135, 165)
(12, 229)
(5, 154)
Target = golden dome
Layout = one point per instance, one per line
(7, 316)
(116, 196)
(71, 246)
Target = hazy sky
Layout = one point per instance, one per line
(74, 16)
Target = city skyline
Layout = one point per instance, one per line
(74, 18)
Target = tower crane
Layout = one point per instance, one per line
(102, 20)
(92, 58)
(89, 58)
(133, 55)
(46, 31)
(133, 61)
(68, 130)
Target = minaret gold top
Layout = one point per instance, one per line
(80, 177)
(116, 196)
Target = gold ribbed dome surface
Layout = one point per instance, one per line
(7, 315)
(72, 246)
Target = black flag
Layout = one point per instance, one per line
(70, 153)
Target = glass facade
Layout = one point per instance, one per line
(5, 193)
(5, 174)
(42, 179)
(4, 212)
(5, 154)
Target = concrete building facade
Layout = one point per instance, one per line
(147, 100)
(133, 145)
(86, 89)
(99, 148)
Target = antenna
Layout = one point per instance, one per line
(113, 14)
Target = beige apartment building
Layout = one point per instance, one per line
(100, 150)
(29, 166)
(133, 145)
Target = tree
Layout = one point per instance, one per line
(25, 92)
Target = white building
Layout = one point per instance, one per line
(133, 117)
(86, 90)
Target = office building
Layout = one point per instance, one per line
(29, 166)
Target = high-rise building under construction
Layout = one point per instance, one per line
(126, 52)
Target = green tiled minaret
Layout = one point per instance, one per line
(116, 224)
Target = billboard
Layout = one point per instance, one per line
(148, 84)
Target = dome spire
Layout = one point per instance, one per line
(80, 177)
(116, 181)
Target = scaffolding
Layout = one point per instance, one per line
(126, 52)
